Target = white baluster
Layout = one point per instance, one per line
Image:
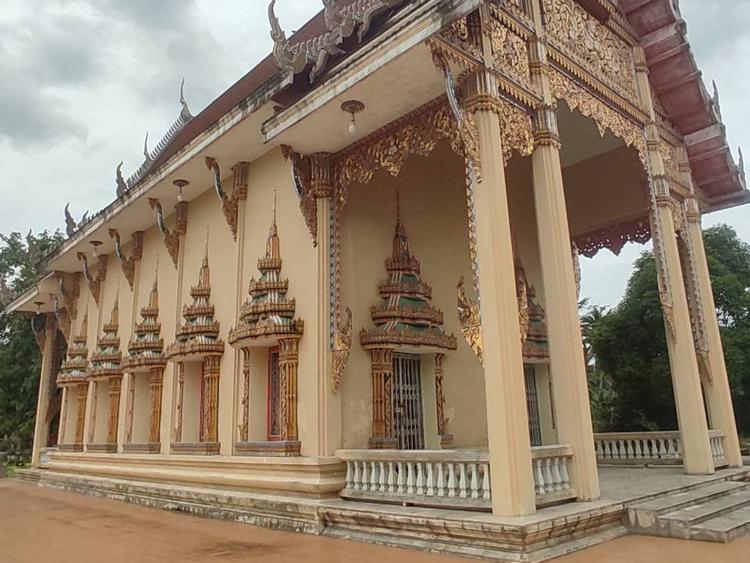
(381, 478)
(451, 480)
(374, 485)
(349, 475)
(540, 490)
(564, 475)
(638, 449)
(365, 476)
(474, 480)
(391, 484)
(486, 482)
(401, 478)
(556, 477)
(420, 477)
(441, 479)
(409, 478)
(599, 450)
(430, 479)
(462, 482)
(549, 479)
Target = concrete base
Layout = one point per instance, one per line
(549, 533)
(313, 477)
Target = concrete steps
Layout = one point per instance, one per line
(719, 512)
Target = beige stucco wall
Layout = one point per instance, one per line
(434, 214)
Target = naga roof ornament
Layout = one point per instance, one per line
(405, 318)
(70, 224)
(150, 156)
(341, 23)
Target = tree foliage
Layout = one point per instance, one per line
(629, 342)
(20, 267)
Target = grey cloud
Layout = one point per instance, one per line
(729, 22)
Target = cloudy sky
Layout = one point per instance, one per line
(84, 80)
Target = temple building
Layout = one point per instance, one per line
(424, 174)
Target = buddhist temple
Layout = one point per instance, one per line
(427, 175)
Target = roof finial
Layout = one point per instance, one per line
(70, 224)
(741, 166)
(274, 206)
(185, 113)
(122, 187)
(716, 101)
(146, 154)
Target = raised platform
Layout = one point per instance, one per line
(549, 533)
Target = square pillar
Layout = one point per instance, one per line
(507, 419)
(41, 427)
(691, 414)
(567, 362)
(717, 391)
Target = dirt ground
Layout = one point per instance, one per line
(39, 524)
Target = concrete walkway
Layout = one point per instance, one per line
(40, 524)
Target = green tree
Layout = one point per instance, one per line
(602, 395)
(629, 342)
(20, 266)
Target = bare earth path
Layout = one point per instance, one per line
(39, 524)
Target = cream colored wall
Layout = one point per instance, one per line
(257, 407)
(69, 433)
(141, 383)
(433, 206)
(268, 173)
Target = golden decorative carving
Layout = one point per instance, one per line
(659, 193)
(522, 295)
(510, 52)
(442, 419)
(613, 237)
(457, 34)
(156, 384)
(342, 344)
(230, 205)
(209, 427)
(244, 426)
(81, 412)
(381, 368)
(171, 238)
(606, 118)
(313, 178)
(592, 45)
(128, 264)
(288, 362)
(420, 131)
(180, 402)
(114, 411)
(415, 133)
(471, 322)
(95, 280)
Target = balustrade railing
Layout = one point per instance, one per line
(716, 438)
(447, 478)
(639, 448)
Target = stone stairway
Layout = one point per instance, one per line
(717, 512)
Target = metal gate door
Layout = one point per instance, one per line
(532, 404)
(407, 402)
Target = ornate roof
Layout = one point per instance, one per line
(106, 359)
(73, 369)
(405, 318)
(199, 334)
(268, 313)
(146, 349)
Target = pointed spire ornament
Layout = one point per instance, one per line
(716, 101)
(741, 166)
(185, 114)
(405, 319)
(268, 314)
(70, 224)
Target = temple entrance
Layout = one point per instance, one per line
(532, 404)
(274, 396)
(407, 402)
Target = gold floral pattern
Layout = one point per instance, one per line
(592, 45)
